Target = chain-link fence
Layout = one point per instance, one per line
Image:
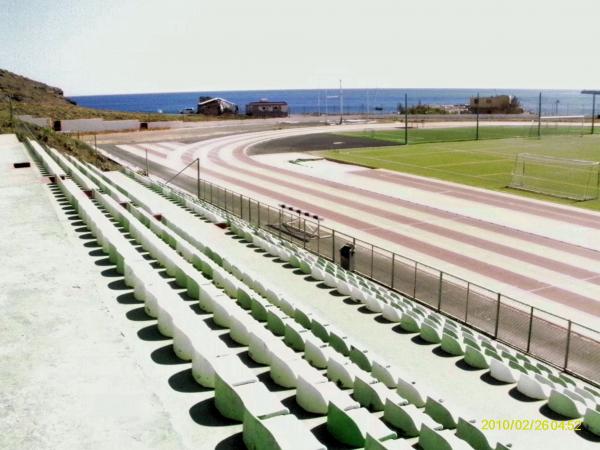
(529, 114)
(558, 341)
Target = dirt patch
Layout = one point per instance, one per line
(320, 141)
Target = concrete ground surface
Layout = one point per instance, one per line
(74, 372)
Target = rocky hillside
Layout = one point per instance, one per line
(40, 100)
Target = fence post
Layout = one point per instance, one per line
(393, 269)
(305, 239)
(372, 256)
(415, 281)
(439, 305)
(467, 302)
(319, 237)
(258, 209)
(333, 245)
(497, 315)
(530, 328)
(280, 220)
(568, 346)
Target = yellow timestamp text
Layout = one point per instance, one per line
(531, 424)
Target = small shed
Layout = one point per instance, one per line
(266, 108)
(216, 106)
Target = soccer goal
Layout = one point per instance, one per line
(558, 125)
(560, 177)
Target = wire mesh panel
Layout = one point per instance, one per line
(513, 322)
(584, 352)
(427, 285)
(382, 266)
(363, 258)
(481, 308)
(454, 296)
(324, 243)
(548, 337)
(404, 275)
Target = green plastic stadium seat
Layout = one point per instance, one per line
(407, 418)
(373, 394)
(591, 420)
(351, 427)
(411, 391)
(432, 439)
(294, 335)
(389, 444)
(276, 320)
(282, 432)
(314, 396)
(439, 411)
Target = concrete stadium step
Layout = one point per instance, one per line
(54, 170)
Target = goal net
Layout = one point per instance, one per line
(560, 177)
(558, 125)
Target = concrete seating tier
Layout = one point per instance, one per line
(479, 351)
(54, 170)
(76, 174)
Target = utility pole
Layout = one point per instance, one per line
(477, 125)
(540, 116)
(147, 168)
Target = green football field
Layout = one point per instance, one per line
(485, 163)
(418, 135)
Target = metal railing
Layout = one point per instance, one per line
(560, 342)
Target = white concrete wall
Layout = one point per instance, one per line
(98, 125)
(39, 121)
(118, 125)
(165, 124)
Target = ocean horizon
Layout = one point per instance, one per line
(355, 101)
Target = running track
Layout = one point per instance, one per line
(537, 257)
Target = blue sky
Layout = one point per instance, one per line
(119, 46)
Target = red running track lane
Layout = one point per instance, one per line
(241, 156)
(553, 293)
(545, 211)
(540, 261)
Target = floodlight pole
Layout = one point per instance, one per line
(593, 112)
(405, 118)
(540, 115)
(477, 121)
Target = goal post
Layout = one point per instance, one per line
(573, 179)
(574, 125)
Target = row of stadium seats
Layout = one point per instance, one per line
(347, 365)
(535, 379)
(303, 351)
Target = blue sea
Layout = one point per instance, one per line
(355, 101)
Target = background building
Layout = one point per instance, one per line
(265, 108)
